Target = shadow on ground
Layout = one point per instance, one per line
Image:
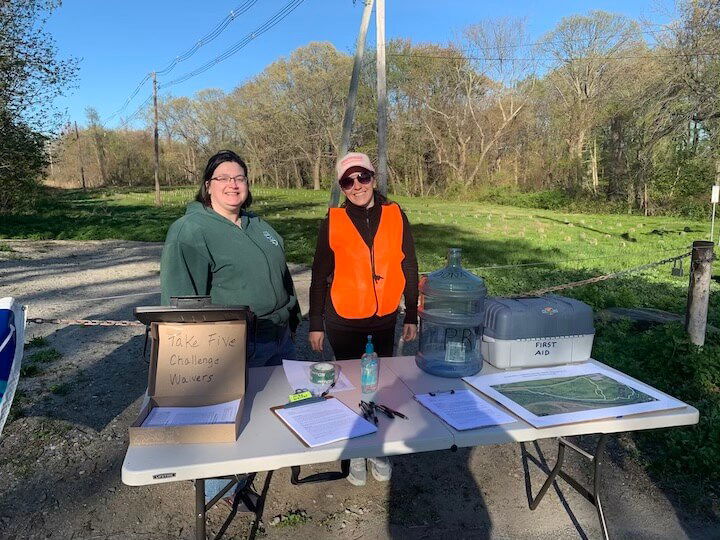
(103, 393)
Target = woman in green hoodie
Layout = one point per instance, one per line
(221, 250)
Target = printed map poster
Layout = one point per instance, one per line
(567, 394)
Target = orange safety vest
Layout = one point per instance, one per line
(354, 292)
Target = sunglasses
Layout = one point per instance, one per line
(347, 182)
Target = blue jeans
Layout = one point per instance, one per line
(270, 350)
(271, 347)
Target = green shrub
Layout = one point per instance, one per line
(61, 389)
(662, 356)
(37, 342)
(29, 370)
(45, 356)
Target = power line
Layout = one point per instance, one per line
(267, 25)
(137, 111)
(210, 36)
(509, 59)
(207, 38)
(128, 100)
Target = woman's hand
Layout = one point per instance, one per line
(409, 332)
(316, 340)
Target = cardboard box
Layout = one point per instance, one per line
(192, 365)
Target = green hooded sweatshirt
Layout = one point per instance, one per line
(207, 254)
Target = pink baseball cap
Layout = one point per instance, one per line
(353, 159)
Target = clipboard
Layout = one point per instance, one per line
(300, 403)
(470, 411)
(368, 427)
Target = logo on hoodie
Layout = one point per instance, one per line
(271, 238)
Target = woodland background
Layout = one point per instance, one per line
(603, 112)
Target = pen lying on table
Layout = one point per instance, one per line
(368, 413)
(391, 413)
(370, 408)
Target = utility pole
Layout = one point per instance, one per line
(80, 157)
(352, 96)
(382, 168)
(157, 144)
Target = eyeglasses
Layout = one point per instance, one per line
(227, 179)
(347, 182)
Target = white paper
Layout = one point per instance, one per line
(464, 409)
(325, 422)
(586, 395)
(222, 413)
(298, 376)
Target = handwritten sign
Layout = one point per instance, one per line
(199, 358)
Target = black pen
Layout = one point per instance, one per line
(433, 394)
(385, 410)
(398, 414)
(367, 414)
(371, 412)
(325, 393)
(393, 412)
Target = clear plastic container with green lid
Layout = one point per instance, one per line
(451, 312)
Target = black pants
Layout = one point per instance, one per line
(350, 344)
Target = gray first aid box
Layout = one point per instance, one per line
(537, 331)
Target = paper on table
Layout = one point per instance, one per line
(298, 376)
(464, 409)
(222, 413)
(325, 422)
(557, 395)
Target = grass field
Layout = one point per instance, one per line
(553, 247)
(515, 250)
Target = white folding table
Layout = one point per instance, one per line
(520, 431)
(265, 443)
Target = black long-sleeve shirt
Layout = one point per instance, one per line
(366, 221)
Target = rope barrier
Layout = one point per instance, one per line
(537, 292)
(605, 277)
(84, 322)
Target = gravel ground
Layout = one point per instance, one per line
(61, 455)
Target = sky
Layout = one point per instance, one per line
(119, 42)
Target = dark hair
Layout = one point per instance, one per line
(221, 157)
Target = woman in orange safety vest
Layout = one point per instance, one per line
(364, 263)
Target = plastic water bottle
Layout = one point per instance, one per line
(369, 369)
(451, 314)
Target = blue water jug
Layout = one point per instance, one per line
(451, 313)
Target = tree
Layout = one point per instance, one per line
(697, 64)
(587, 49)
(31, 77)
(97, 131)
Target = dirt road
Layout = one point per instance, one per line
(60, 458)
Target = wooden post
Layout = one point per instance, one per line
(352, 97)
(382, 168)
(80, 158)
(157, 144)
(699, 290)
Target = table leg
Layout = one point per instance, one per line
(597, 459)
(551, 477)
(246, 500)
(594, 497)
(200, 509)
(320, 477)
